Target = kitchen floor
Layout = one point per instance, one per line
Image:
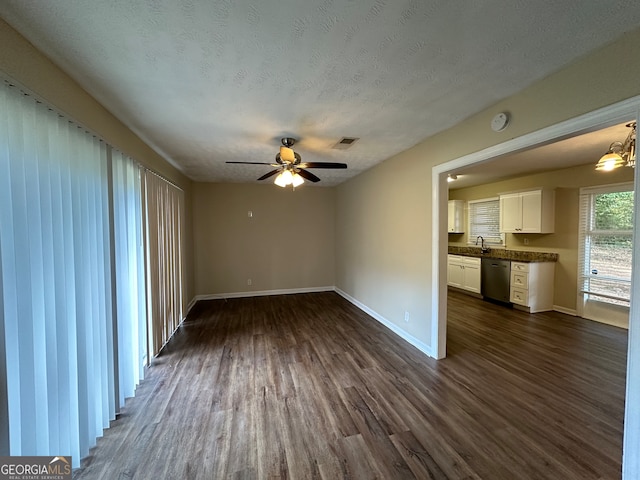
(549, 387)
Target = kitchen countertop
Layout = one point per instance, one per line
(501, 253)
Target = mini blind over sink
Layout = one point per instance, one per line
(484, 221)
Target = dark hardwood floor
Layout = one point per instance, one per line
(308, 386)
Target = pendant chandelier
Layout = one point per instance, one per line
(620, 154)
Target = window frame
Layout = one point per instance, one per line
(496, 240)
(586, 232)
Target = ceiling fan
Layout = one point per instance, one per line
(290, 168)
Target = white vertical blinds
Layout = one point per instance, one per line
(72, 353)
(164, 204)
(130, 276)
(55, 269)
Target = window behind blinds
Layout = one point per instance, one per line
(484, 220)
(606, 225)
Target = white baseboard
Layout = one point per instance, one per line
(423, 347)
(567, 311)
(259, 293)
(192, 303)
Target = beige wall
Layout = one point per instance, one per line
(288, 243)
(382, 252)
(23, 64)
(564, 240)
(384, 238)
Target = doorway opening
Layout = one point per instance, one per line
(598, 120)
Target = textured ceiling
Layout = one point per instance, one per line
(204, 82)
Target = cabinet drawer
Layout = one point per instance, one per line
(519, 267)
(519, 296)
(520, 280)
(471, 261)
(454, 260)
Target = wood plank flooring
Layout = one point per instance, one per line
(309, 387)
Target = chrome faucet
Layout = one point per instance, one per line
(483, 249)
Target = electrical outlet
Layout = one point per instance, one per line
(526, 241)
(249, 282)
(406, 316)
(250, 214)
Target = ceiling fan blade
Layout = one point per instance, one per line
(322, 165)
(270, 174)
(253, 163)
(287, 155)
(307, 175)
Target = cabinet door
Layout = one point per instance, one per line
(455, 274)
(511, 213)
(451, 217)
(531, 212)
(456, 216)
(472, 278)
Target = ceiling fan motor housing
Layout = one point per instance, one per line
(297, 160)
(288, 142)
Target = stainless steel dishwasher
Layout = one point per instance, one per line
(495, 278)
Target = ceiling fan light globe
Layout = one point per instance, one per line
(297, 180)
(287, 177)
(280, 181)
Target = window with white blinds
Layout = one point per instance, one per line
(605, 249)
(484, 221)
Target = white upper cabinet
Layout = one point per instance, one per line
(456, 216)
(528, 212)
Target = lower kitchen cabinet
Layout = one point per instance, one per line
(532, 285)
(463, 272)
